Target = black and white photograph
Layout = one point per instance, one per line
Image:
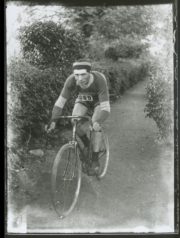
(91, 132)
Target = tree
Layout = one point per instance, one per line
(122, 28)
(48, 44)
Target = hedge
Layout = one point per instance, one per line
(123, 74)
(48, 45)
(125, 49)
(160, 99)
(32, 96)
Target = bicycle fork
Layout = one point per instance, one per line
(69, 172)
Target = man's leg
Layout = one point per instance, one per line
(97, 135)
(82, 128)
(97, 141)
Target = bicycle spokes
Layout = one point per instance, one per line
(101, 154)
(67, 181)
(103, 157)
(69, 171)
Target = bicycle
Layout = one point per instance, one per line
(67, 168)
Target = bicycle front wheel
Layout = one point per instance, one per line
(66, 180)
(103, 156)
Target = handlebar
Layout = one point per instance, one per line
(76, 117)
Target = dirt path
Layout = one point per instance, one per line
(137, 192)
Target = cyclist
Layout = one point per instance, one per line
(92, 99)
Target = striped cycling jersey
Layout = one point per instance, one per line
(97, 91)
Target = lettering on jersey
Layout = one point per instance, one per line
(85, 98)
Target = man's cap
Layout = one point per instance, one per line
(82, 65)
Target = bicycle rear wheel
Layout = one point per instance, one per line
(103, 156)
(65, 180)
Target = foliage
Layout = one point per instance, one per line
(160, 86)
(85, 19)
(123, 74)
(125, 48)
(113, 22)
(112, 53)
(160, 100)
(24, 174)
(48, 44)
(33, 93)
(36, 82)
(113, 32)
(125, 20)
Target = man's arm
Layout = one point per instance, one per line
(62, 99)
(103, 99)
(103, 115)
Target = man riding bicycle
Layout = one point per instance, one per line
(92, 99)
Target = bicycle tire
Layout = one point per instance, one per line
(103, 157)
(66, 172)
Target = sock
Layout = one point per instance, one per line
(85, 140)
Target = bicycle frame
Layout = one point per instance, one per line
(74, 134)
(71, 169)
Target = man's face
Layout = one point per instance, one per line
(82, 76)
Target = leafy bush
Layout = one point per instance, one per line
(122, 75)
(33, 94)
(112, 53)
(48, 50)
(160, 100)
(48, 44)
(125, 48)
(24, 176)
